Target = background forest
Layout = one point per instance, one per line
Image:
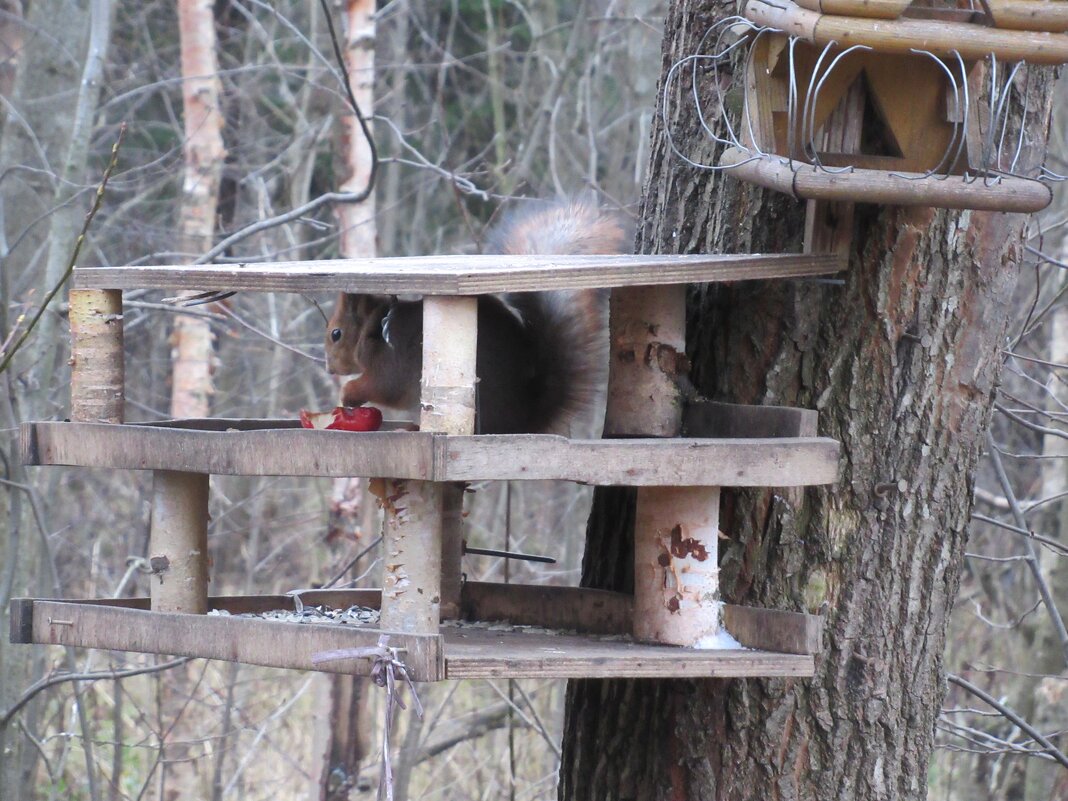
(476, 103)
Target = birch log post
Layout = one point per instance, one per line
(97, 372)
(419, 565)
(178, 542)
(676, 529)
(648, 344)
(676, 571)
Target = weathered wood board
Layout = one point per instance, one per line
(603, 612)
(458, 653)
(479, 653)
(705, 418)
(459, 275)
(252, 641)
(760, 461)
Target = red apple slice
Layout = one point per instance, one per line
(343, 418)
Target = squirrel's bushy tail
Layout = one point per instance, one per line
(570, 326)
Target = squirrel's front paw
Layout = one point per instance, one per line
(354, 393)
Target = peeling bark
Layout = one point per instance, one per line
(901, 362)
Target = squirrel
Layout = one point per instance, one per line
(541, 356)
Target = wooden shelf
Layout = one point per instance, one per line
(458, 652)
(279, 448)
(806, 182)
(941, 37)
(460, 275)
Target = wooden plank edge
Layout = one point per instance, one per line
(29, 451)
(21, 622)
(558, 273)
(241, 604)
(713, 419)
(714, 665)
(578, 609)
(769, 462)
(774, 629)
(592, 611)
(227, 638)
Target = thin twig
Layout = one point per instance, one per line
(1022, 724)
(97, 202)
(52, 681)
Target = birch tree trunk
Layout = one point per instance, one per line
(192, 350)
(343, 733)
(901, 361)
(192, 340)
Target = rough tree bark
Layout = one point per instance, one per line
(901, 361)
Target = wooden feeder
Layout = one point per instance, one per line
(886, 106)
(677, 457)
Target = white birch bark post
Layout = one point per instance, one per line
(413, 533)
(178, 542)
(647, 353)
(97, 391)
(676, 528)
(676, 571)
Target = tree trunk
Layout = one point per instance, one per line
(192, 339)
(901, 361)
(342, 742)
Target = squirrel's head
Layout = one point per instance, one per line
(355, 331)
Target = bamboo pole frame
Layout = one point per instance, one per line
(940, 37)
(97, 392)
(1019, 15)
(178, 542)
(806, 182)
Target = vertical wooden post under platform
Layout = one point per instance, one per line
(647, 353)
(676, 528)
(423, 531)
(178, 542)
(96, 384)
(676, 570)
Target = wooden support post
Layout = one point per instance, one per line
(411, 536)
(676, 571)
(648, 354)
(452, 548)
(178, 542)
(423, 529)
(450, 342)
(96, 385)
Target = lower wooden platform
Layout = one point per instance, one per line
(593, 647)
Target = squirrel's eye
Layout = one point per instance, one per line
(335, 335)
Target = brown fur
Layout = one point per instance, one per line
(540, 358)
